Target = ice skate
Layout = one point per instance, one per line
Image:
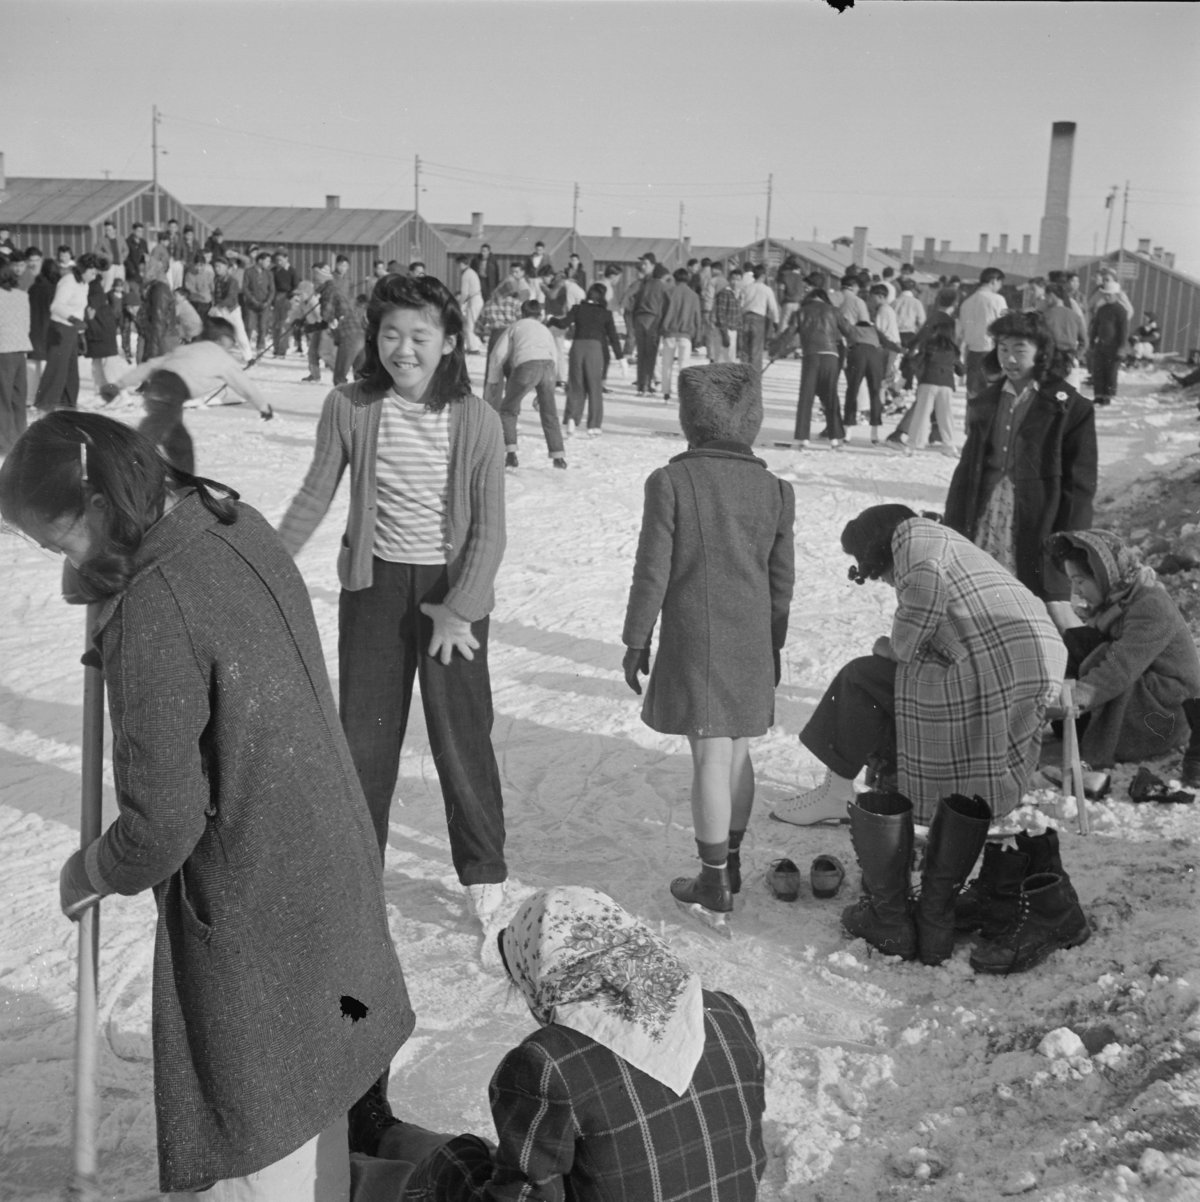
(707, 898)
(826, 803)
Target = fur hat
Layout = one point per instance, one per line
(723, 402)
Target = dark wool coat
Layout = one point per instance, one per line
(574, 1120)
(278, 997)
(715, 557)
(100, 329)
(41, 295)
(1054, 477)
(1140, 678)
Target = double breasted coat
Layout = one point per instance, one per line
(979, 661)
(278, 997)
(1053, 475)
(715, 558)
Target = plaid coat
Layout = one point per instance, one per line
(575, 1121)
(979, 661)
(278, 997)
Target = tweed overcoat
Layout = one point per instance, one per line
(979, 660)
(1140, 678)
(715, 558)
(575, 1121)
(1054, 476)
(278, 997)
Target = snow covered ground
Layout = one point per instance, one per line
(885, 1080)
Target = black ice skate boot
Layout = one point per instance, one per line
(881, 829)
(706, 897)
(956, 837)
(1049, 918)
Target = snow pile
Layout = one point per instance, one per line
(1079, 1080)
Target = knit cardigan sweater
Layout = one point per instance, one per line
(474, 531)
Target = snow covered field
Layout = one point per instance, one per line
(884, 1080)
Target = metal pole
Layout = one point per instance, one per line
(1112, 204)
(574, 216)
(154, 162)
(417, 184)
(1124, 217)
(767, 228)
(679, 238)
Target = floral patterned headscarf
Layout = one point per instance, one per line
(1116, 568)
(584, 963)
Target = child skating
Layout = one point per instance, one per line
(715, 560)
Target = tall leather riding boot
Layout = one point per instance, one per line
(881, 829)
(956, 837)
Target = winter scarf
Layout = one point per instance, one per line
(582, 962)
(1116, 568)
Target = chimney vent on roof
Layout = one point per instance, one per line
(945, 246)
(1143, 246)
(333, 202)
(983, 244)
(616, 231)
(1026, 239)
(476, 225)
(1004, 244)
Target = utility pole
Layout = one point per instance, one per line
(679, 238)
(574, 216)
(417, 184)
(1110, 203)
(1124, 217)
(154, 119)
(767, 228)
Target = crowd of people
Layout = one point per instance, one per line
(246, 789)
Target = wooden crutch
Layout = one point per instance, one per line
(1072, 769)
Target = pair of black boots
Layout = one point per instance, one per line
(1046, 914)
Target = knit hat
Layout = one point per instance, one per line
(723, 401)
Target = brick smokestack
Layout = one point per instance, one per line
(860, 246)
(1026, 239)
(930, 249)
(1003, 244)
(1052, 240)
(945, 246)
(1144, 246)
(333, 202)
(616, 231)
(476, 225)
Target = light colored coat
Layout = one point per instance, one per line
(979, 661)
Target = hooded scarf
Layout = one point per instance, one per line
(1116, 568)
(582, 962)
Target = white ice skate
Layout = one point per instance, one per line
(825, 803)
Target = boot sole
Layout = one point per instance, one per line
(714, 920)
(1076, 940)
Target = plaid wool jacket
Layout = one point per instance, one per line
(576, 1122)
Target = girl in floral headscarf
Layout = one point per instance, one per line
(1135, 662)
(638, 1083)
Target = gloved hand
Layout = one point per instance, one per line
(75, 891)
(109, 393)
(725, 338)
(635, 663)
(450, 633)
(267, 414)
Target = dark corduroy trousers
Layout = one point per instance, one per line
(855, 717)
(383, 644)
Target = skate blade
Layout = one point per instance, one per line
(714, 921)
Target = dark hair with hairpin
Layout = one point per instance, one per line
(68, 457)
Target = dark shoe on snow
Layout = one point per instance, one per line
(1050, 918)
(783, 880)
(826, 876)
(706, 897)
(1146, 787)
(511, 460)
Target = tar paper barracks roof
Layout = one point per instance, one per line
(39, 201)
(625, 249)
(319, 226)
(836, 260)
(510, 241)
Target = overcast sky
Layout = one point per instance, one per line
(930, 119)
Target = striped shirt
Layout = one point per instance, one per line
(412, 468)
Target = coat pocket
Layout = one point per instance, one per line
(191, 908)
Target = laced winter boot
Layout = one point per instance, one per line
(1049, 918)
(956, 837)
(989, 903)
(369, 1118)
(881, 829)
(1189, 772)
